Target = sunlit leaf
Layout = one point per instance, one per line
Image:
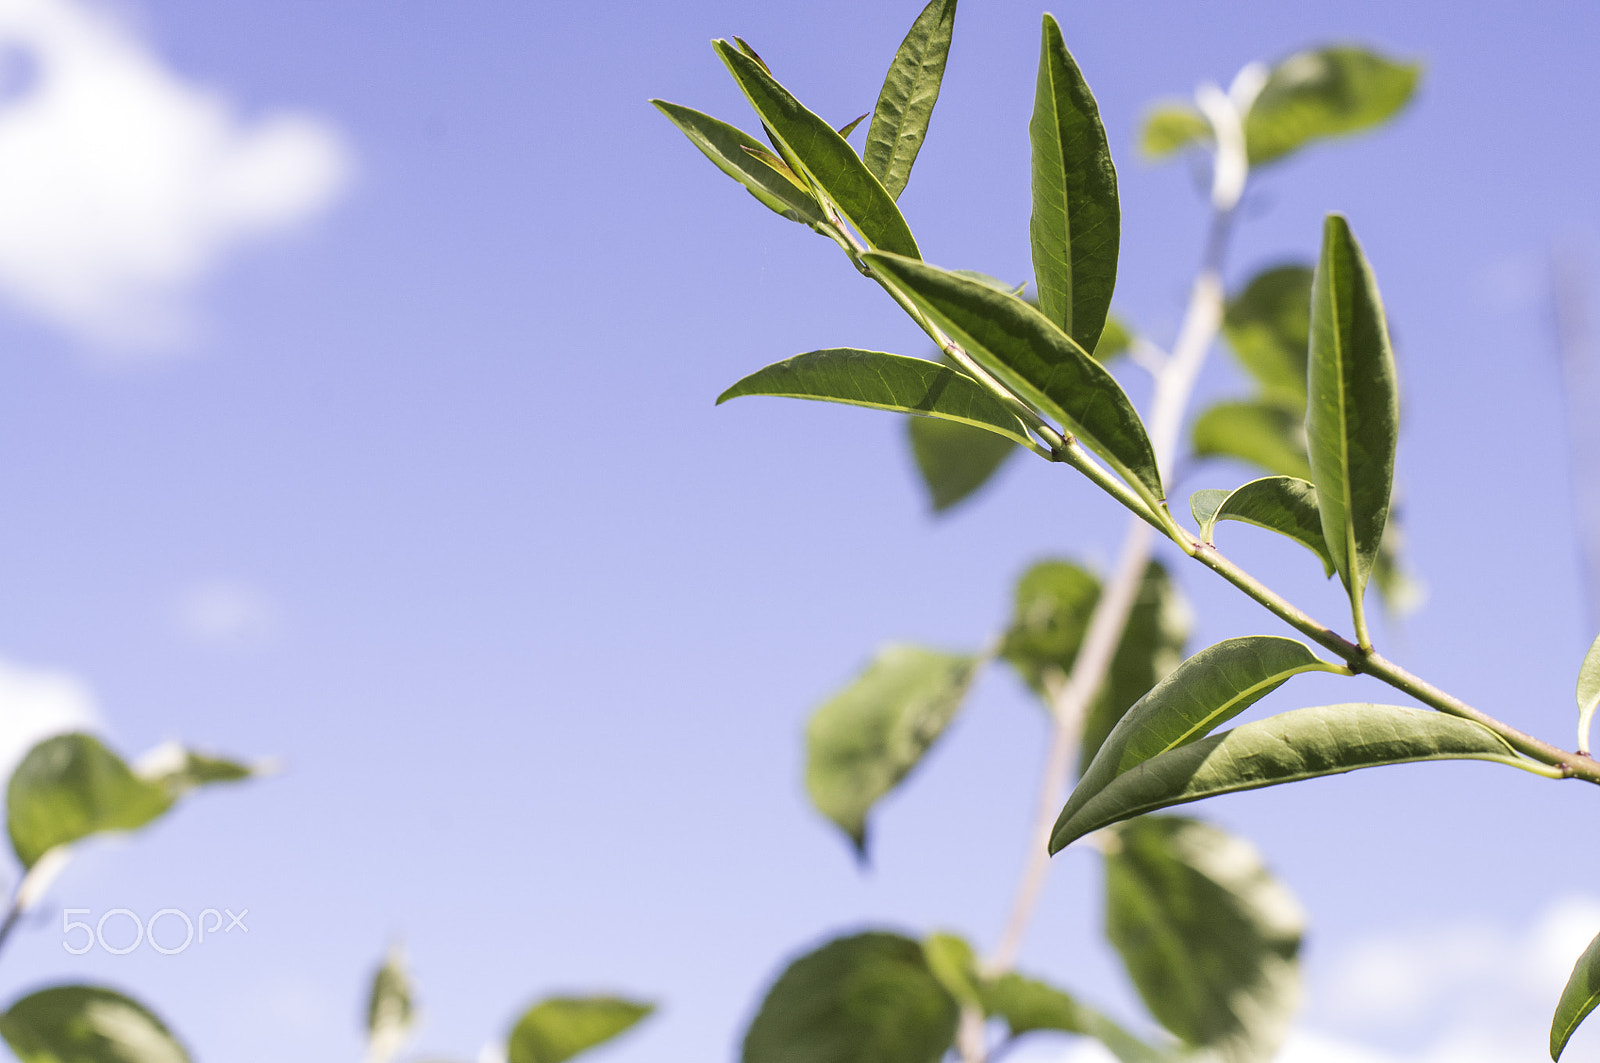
(1264, 434)
(1289, 747)
(559, 1028)
(829, 161)
(1151, 646)
(1278, 503)
(955, 965)
(1171, 127)
(87, 1024)
(911, 88)
(955, 459)
(1076, 225)
(1353, 420)
(850, 126)
(1325, 93)
(1208, 936)
(732, 150)
(390, 1010)
(178, 770)
(1578, 999)
(1027, 1005)
(883, 382)
(1035, 359)
(867, 997)
(1268, 325)
(866, 738)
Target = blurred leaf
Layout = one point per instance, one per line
(1027, 1005)
(1353, 420)
(69, 787)
(1208, 936)
(1578, 998)
(731, 150)
(1076, 225)
(829, 161)
(1200, 695)
(1400, 590)
(1115, 339)
(1035, 359)
(178, 770)
(1053, 602)
(911, 88)
(1171, 127)
(87, 1024)
(883, 382)
(867, 997)
(561, 1027)
(390, 1013)
(1325, 93)
(955, 460)
(1268, 325)
(1264, 434)
(955, 965)
(1588, 692)
(1289, 747)
(1278, 503)
(866, 738)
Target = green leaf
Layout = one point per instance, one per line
(178, 770)
(1204, 504)
(1027, 1004)
(955, 459)
(1264, 434)
(1076, 225)
(1588, 693)
(735, 153)
(867, 997)
(1171, 127)
(866, 738)
(1208, 936)
(1115, 339)
(1036, 360)
(826, 157)
(883, 382)
(1289, 747)
(1578, 998)
(850, 126)
(1268, 325)
(1325, 93)
(1353, 420)
(390, 1011)
(1278, 503)
(1052, 605)
(900, 120)
(561, 1027)
(87, 1024)
(1401, 592)
(1200, 695)
(955, 965)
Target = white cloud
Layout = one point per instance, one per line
(226, 613)
(121, 185)
(35, 704)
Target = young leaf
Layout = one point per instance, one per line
(829, 161)
(1208, 936)
(1588, 693)
(1278, 503)
(1264, 434)
(1203, 504)
(1289, 747)
(955, 459)
(734, 153)
(87, 1024)
(1076, 225)
(866, 738)
(883, 382)
(1325, 93)
(867, 997)
(390, 1013)
(1027, 1004)
(1171, 127)
(1034, 358)
(1268, 325)
(900, 120)
(561, 1027)
(1353, 420)
(1578, 998)
(1200, 695)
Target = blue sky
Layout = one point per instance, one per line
(358, 412)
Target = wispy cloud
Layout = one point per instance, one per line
(36, 703)
(122, 185)
(226, 613)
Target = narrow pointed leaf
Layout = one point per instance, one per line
(731, 150)
(955, 460)
(911, 88)
(1353, 420)
(1036, 359)
(883, 382)
(1208, 936)
(1289, 747)
(1578, 999)
(866, 997)
(1264, 434)
(1076, 225)
(87, 1024)
(826, 157)
(1027, 1005)
(1200, 695)
(1588, 693)
(391, 1013)
(1325, 93)
(1268, 325)
(870, 735)
(1170, 127)
(850, 126)
(1052, 604)
(1151, 646)
(178, 770)
(1278, 503)
(559, 1028)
